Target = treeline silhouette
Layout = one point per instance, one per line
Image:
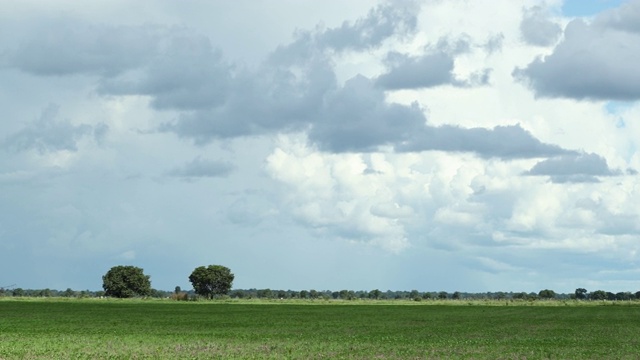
(415, 295)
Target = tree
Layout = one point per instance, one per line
(375, 294)
(581, 293)
(520, 295)
(211, 280)
(443, 295)
(547, 294)
(598, 295)
(125, 282)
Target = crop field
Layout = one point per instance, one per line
(108, 329)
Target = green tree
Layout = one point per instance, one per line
(414, 294)
(598, 295)
(125, 282)
(375, 294)
(520, 295)
(581, 293)
(547, 294)
(211, 280)
(443, 295)
(456, 295)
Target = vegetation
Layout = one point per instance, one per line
(125, 282)
(211, 280)
(124, 329)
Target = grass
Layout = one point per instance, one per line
(99, 329)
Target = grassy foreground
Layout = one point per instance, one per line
(97, 329)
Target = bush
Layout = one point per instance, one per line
(181, 296)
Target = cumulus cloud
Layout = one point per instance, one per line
(381, 23)
(594, 61)
(537, 29)
(356, 118)
(624, 18)
(330, 194)
(48, 134)
(268, 100)
(199, 168)
(581, 167)
(434, 68)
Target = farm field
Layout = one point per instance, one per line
(124, 329)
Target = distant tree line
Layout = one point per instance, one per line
(216, 281)
(338, 295)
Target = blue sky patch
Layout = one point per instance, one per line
(586, 8)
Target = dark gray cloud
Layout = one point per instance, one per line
(66, 46)
(581, 167)
(351, 118)
(47, 134)
(623, 18)
(506, 142)
(268, 100)
(199, 168)
(357, 118)
(295, 89)
(187, 74)
(594, 61)
(392, 19)
(422, 72)
(434, 68)
(537, 29)
(426, 71)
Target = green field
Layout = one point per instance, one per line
(101, 329)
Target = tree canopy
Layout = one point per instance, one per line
(211, 280)
(125, 282)
(547, 294)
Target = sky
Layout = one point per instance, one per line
(395, 145)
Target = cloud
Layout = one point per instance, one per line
(270, 99)
(199, 168)
(537, 29)
(506, 142)
(188, 74)
(47, 134)
(357, 118)
(573, 168)
(434, 68)
(381, 23)
(426, 71)
(67, 46)
(624, 18)
(594, 61)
